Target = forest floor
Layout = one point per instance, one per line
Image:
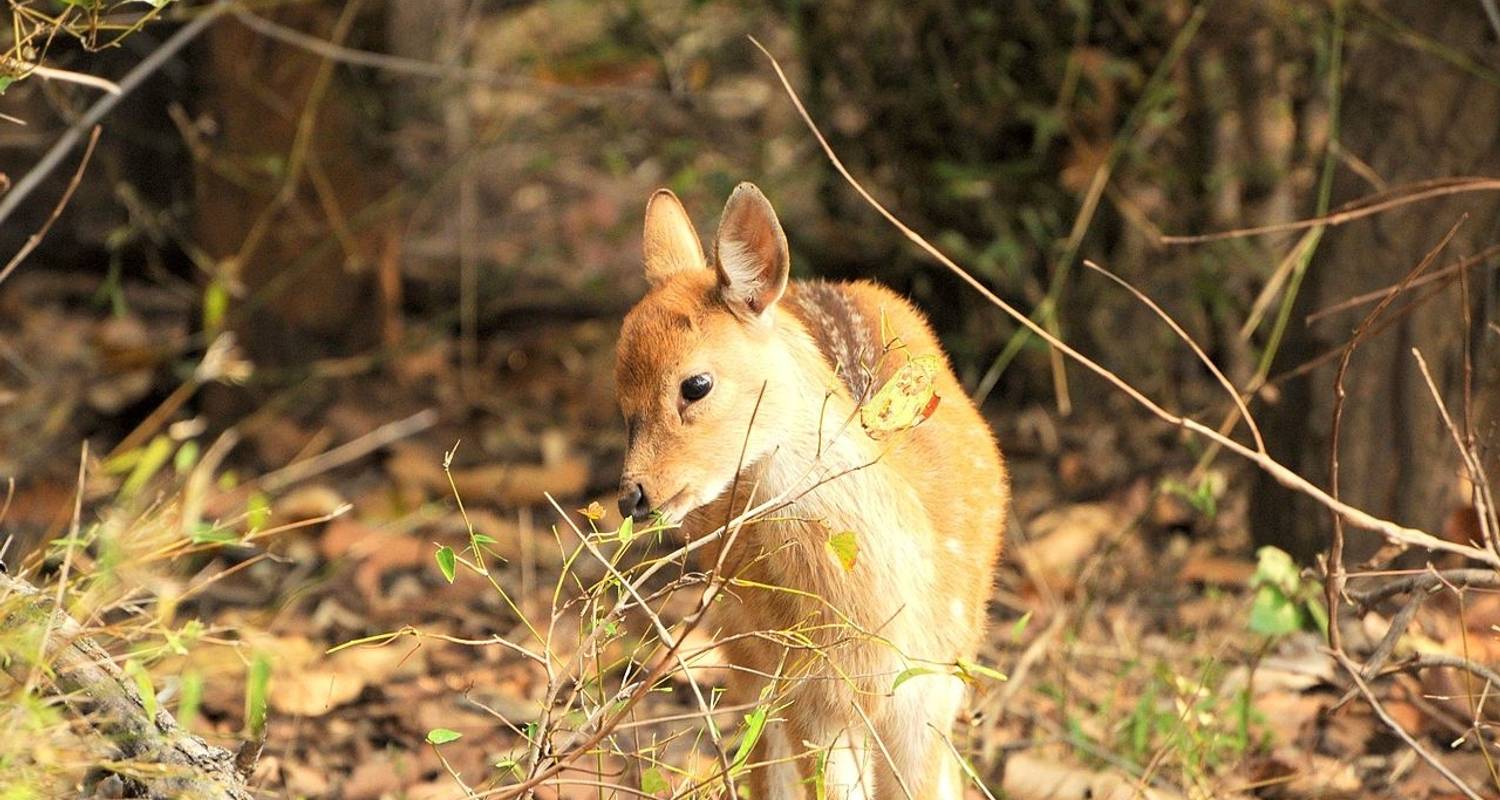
(1121, 616)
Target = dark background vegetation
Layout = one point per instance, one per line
(985, 126)
(466, 239)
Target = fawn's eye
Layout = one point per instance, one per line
(696, 387)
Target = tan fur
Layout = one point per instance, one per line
(927, 506)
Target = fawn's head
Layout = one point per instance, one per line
(699, 358)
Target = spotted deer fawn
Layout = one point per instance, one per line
(855, 596)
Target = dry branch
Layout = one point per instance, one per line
(164, 760)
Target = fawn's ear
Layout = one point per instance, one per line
(751, 252)
(670, 244)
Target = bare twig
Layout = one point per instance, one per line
(1427, 581)
(1466, 454)
(1492, 11)
(351, 451)
(36, 238)
(1458, 267)
(1359, 209)
(1422, 661)
(64, 75)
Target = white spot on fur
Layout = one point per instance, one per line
(956, 608)
(953, 546)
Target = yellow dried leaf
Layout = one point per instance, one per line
(909, 397)
(844, 547)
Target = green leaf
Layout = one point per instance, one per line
(653, 782)
(207, 533)
(5, 82)
(153, 458)
(755, 722)
(844, 547)
(969, 670)
(180, 640)
(1278, 607)
(627, 530)
(187, 456)
(1019, 627)
(446, 561)
(192, 697)
(1273, 613)
(1275, 567)
(443, 736)
(257, 511)
(480, 538)
(909, 673)
(143, 685)
(257, 690)
(215, 305)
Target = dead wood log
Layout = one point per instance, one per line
(165, 760)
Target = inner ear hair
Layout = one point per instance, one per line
(751, 253)
(669, 244)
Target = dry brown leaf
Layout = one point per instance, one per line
(1032, 776)
(1061, 539)
(1218, 570)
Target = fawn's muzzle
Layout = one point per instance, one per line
(634, 503)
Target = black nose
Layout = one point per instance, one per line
(633, 503)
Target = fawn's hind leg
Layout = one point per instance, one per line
(843, 761)
(912, 728)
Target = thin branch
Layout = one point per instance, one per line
(1492, 11)
(1427, 581)
(64, 75)
(1234, 394)
(1466, 454)
(1359, 209)
(1455, 268)
(36, 238)
(351, 451)
(1444, 661)
(412, 67)
(1334, 588)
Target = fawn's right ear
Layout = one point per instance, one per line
(670, 243)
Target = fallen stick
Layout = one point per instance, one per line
(164, 760)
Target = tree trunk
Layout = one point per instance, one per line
(285, 188)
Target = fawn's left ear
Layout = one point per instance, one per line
(751, 252)
(669, 244)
